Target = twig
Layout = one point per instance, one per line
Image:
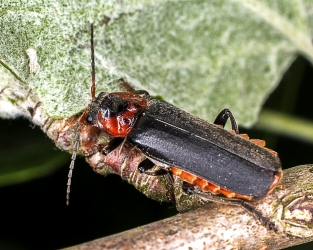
(226, 227)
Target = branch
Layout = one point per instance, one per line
(218, 226)
(227, 227)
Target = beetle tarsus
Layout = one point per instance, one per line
(266, 222)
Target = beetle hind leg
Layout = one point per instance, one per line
(222, 118)
(259, 216)
(146, 166)
(226, 114)
(189, 189)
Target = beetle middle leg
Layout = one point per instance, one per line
(189, 189)
(146, 167)
(222, 118)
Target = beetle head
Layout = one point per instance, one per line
(116, 113)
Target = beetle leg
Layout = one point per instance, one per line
(189, 189)
(143, 93)
(125, 85)
(91, 151)
(147, 165)
(112, 144)
(169, 182)
(222, 118)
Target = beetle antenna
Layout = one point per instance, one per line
(83, 117)
(70, 173)
(93, 72)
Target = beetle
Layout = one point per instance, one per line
(201, 153)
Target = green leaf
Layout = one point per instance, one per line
(284, 124)
(25, 154)
(35, 164)
(202, 56)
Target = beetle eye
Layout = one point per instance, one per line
(89, 119)
(119, 107)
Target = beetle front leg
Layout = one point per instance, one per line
(111, 146)
(189, 189)
(125, 85)
(222, 118)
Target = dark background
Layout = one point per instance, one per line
(34, 214)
